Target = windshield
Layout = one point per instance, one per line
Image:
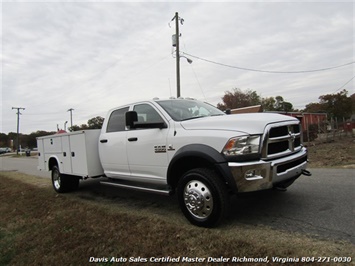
(181, 110)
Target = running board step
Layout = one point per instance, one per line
(140, 187)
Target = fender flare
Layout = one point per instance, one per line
(207, 153)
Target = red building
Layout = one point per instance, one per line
(308, 119)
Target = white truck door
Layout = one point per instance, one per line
(112, 145)
(147, 148)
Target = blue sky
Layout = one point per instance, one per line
(93, 56)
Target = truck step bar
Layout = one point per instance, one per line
(137, 186)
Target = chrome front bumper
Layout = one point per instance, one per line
(260, 175)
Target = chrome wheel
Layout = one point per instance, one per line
(56, 179)
(198, 199)
(203, 197)
(62, 182)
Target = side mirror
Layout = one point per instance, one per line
(228, 111)
(131, 118)
(132, 122)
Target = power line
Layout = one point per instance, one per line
(193, 70)
(268, 71)
(344, 84)
(198, 82)
(41, 114)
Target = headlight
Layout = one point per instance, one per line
(242, 145)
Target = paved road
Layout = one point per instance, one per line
(321, 205)
(27, 165)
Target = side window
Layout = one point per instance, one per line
(147, 113)
(117, 120)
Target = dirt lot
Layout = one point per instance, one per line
(339, 152)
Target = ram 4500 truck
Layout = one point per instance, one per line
(181, 146)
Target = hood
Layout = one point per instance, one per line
(245, 123)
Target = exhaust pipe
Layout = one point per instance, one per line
(306, 172)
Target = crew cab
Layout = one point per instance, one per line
(181, 146)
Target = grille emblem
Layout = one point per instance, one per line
(292, 136)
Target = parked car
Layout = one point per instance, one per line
(5, 150)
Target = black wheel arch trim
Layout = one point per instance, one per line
(207, 153)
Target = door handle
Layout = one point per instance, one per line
(103, 140)
(132, 139)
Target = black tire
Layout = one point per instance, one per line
(203, 197)
(63, 183)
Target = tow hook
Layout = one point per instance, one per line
(306, 172)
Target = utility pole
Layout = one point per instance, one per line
(176, 43)
(18, 126)
(71, 116)
(177, 36)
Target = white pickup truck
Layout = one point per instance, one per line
(181, 146)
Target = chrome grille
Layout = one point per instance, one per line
(281, 139)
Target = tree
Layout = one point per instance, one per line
(314, 108)
(268, 103)
(93, 123)
(238, 99)
(282, 105)
(337, 105)
(4, 140)
(77, 128)
(32, 138)
(96, 122)
(352, 97)
(276, 104)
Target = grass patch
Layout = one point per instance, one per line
(40, 227)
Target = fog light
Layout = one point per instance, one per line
(253, 174)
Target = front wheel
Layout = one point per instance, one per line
(203, 197)
(63, 183)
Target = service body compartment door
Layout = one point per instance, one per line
(41, 162)
(66, 160)
(84, 153)
(78, 155)
(53, 148)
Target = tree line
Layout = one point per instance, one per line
(30, 140)
(337, 106)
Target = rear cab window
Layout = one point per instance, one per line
(117, 121)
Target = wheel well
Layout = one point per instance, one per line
(185, 164)
(52, 162)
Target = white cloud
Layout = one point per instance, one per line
(94, 56)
